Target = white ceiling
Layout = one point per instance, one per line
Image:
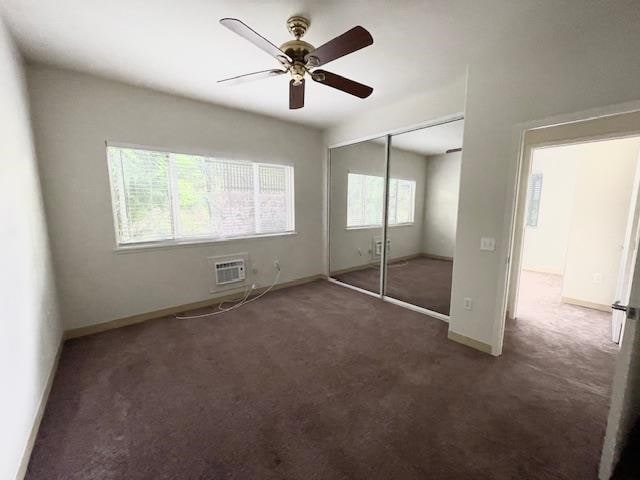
(179, 47)
(431, 140)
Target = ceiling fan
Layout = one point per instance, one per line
(299, 58)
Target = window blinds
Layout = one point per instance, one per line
(172, 196)
(535, 192)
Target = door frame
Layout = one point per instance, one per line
(571, 134)
(617, 120)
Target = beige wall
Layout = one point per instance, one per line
(441, 204)
(353, 247)
(586, 189)
(30, 329)
(604, 180)
(545, 245)
(74, 114)
(527, 80)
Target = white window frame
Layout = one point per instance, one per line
(379, 225)
(174, 241)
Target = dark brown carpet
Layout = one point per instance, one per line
(321, 382)
(421, 281)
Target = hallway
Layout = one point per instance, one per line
(571, 341)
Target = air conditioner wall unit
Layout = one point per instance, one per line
(227, 272)
(230, 271)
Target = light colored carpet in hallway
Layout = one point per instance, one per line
(579, 337)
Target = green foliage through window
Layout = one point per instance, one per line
(173, 196)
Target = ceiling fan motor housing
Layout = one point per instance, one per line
(297, 49)
(298, 26)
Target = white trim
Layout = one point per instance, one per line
(416, 308)
(174, 202)
(291, 196)
(327, 198)
(385, 298)
(357, 289)
(385, 216)
(39, 414)
(376, 227)
(192, 151)
(514, 190)
(163, 244)
(417, 126)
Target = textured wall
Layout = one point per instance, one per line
(30, 328)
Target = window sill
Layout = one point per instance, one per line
(167, 244)
(379, 227)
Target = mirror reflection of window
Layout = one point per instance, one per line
(364, 201)
(356, 212)
(402, 201)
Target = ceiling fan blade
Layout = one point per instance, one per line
(254, 37)
(348, 42)
(341, 83)
(252, 76)
(296, 95)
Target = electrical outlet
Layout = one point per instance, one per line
(488, 244)
(597, 278)
(277, 264)
(468, 303)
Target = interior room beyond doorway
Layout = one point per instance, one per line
(576, 219)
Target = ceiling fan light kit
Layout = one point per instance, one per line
(299, 58)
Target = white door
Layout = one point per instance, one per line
(627, 261)
(625, 398)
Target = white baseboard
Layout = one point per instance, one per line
(26, 454)
(547, 271)
(586, 304)
(155, 314)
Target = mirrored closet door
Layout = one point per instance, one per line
(424, 179)
(420, 177)
(356, 208)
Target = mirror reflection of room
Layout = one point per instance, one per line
(356, 213)
(424, 170)
(424, 177)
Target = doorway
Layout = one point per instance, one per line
(579, 239)
(618, 383)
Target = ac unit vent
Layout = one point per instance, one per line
(230, 271)
(377, 246)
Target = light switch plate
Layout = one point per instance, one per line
(468, 303)
(488, 244)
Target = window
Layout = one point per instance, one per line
(535, 191)
(364, 200)
(159, 196)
